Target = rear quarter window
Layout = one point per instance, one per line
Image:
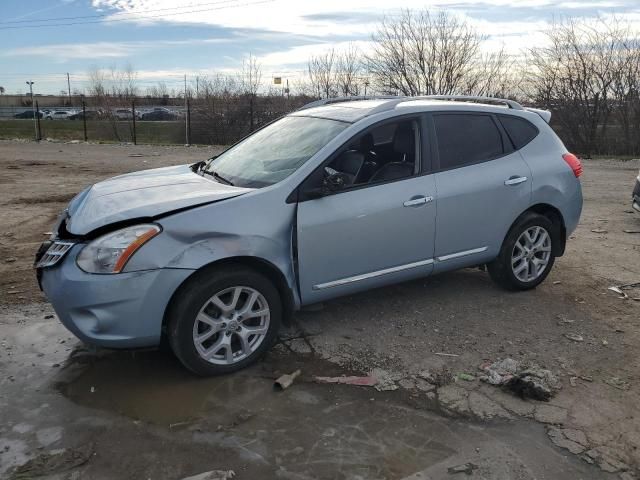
(520, 131)
(464, 139)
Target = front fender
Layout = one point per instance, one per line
(199, 237)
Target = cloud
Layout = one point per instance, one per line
(72, 51)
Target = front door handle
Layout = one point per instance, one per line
(417, 200)
(515, 180)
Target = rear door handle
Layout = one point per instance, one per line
(515, 180)
(417, 200)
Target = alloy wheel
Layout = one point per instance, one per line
(531, 254)
(231, 325)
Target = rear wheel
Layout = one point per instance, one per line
(527, 254)
(224, 320)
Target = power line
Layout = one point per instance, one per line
(140, 18)
(115, 13)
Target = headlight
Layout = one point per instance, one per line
(111, 252)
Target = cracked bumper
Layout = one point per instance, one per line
(118, 311)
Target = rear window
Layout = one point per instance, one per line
(520, 131)
(464, 139)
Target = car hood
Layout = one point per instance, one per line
(144, 194)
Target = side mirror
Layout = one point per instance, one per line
(197, 166)
(334, 180)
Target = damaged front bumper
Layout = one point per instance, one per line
(123, 310)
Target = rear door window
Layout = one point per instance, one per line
(520, 131)
(464, 139)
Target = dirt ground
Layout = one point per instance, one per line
(69, 412)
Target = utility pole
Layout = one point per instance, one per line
(197, 86)
(33, 109)
(186, 119)
(69, 87)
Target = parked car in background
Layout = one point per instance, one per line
(59, 114)
(341, 196)
(123, 113)
(635, 196)
(28, 114)
(89, 114)
(160, 114)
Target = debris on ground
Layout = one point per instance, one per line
(382, 380)
(386, 381)
(366, 381)
(285, 381)
(238, 420)
(619, 289)
(618, 383)
(55, 461)
(527, 381)
(574, 337)
(631, 231)
(599, 230)
(439, 379)
(466, 377)
(213, 475)
(466, 468)
(562, 319)
(446, 354)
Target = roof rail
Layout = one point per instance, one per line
(472, 98)
(401, 98)
(327, 101)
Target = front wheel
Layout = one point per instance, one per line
(527, 254)
(224, 320)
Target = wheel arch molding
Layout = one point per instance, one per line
(260, 265)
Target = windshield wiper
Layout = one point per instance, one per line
(217, 176)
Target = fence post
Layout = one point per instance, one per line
(188, 122)
(38, 122)
(133, 118)
(84, 120)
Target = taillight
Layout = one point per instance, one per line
(574, 163)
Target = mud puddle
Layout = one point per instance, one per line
(309, 430)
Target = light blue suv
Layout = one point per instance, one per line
(341, 196)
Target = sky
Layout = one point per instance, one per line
(43, 40)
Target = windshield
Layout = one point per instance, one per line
(274, 152)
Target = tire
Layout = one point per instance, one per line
(196, 311)
(507, 271)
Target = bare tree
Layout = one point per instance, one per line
(322, 76)
(419, 53)
(493, 74)
(2, 90)
(97, 82)
(348, 75)
(626, 89)
(251, 77)
(584, 74)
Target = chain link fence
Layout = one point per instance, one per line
(224, 119)
(210, 120)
